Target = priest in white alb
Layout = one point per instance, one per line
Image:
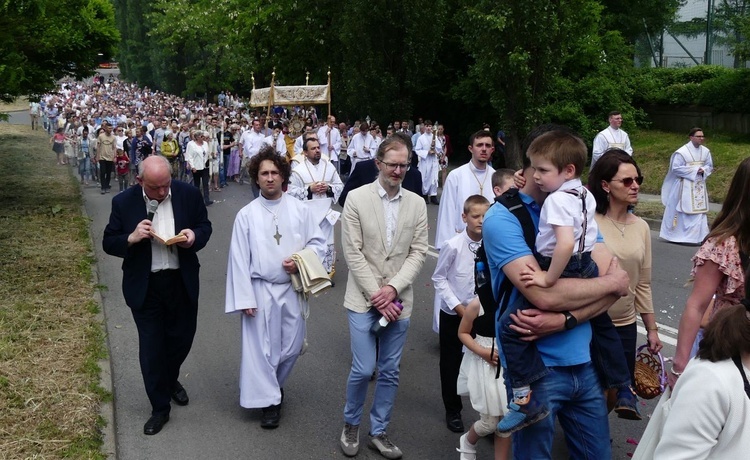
(612, 137)
(361, 146)
(266, 233)
(330, 140)
(428, 148)
(684, 192)
(473, 178)
(315, 181)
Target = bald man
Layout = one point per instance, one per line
(159, 282)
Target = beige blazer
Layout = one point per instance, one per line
(371, 264)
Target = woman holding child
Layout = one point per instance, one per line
(615, 182)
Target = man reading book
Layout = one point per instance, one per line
(160, 283)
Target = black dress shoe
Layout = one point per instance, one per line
(179, 395)
(434, 200)
(209, 202)
(271, 417)
(155, 424)
(454, 422)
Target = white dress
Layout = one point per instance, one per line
(477, 379)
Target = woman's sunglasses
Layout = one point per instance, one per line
(628, 181)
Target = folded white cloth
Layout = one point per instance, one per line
(312, 277)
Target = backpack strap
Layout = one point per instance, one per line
(738, 363)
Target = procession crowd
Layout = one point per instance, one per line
(538, 282)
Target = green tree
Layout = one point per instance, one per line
(43, 41)
(529, 54)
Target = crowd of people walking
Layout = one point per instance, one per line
(567, 267)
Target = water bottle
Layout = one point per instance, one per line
(481, 277)
(383, 322)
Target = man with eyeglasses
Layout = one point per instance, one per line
(384, 232)
(611, 137)
(684, 192)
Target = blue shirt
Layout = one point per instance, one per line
(504, 242)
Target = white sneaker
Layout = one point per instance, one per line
(383, 444)
(349, 440)
(467, 450)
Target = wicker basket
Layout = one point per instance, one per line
(650, 376)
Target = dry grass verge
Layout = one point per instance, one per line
(50, 339)
(22, 103)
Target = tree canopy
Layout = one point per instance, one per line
(507, 63)
(42, 41)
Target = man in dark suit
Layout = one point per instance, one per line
(160, 283)
(367, 171)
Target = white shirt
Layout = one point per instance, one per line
(196, 155)
(390, 211)
(564, 209)
(163, 257)
(454, 273)
(251, 142)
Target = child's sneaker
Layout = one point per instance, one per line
(467, 450)
(627, 404)
(523, 412)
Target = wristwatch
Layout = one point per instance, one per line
(570, 320)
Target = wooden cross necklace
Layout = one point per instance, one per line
(277, 236)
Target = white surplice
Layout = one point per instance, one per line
(272, 339)
(684, 195)
(361, 148)
(278, 144)
(610, 138)
(428, 164)
(460, 184)
(330, 142)
(305, 174)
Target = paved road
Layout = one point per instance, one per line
(214, 426)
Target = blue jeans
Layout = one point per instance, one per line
(576, 398)
(364, 356)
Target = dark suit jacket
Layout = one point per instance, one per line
(128, 209)
(366, 172)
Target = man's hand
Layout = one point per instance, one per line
(391, 312)
(250, 311)
(190, 238)
(289, 266)
(384, 297)
(142, 231)
(532, 324)
(518, 180)
(619, 278)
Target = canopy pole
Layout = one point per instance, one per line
(270, 94)
(329, 91)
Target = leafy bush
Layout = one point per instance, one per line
(722, 89)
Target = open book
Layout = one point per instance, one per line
(179, 238)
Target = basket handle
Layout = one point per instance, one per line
(663, 373)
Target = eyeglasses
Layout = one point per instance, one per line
(395, 166)
(628, 181)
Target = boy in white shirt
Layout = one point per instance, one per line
(454, 289)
